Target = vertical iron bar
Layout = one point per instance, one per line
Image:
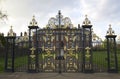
(13, 52)
(59, 28)
(6, 54)
(37, 63)
(116, 60)
(108, 58)
(29, 50)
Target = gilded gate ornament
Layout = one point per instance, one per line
(54, 22)
(88, 52)
(52, 38)
(66, 37)
(74, 38)
(76, 47)
(54, 48)
(44, 38)
(71, 53)
(33, 22)
(71, 64)
(43, 47)
(86, 21)
(65, 48)
(48, 53)
(87, 55)
(32, 52)
(48, 65)
(110, 31)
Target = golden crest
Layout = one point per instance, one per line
(66, 37)
(76, 47)
(32, 56)
(74, 38)
(43, 47)
(52, 38)
(32, 52)
(87, 52)
(44, 38)
(54, 48)
(65, 48)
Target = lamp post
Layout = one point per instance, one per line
(10, 50)
(111, 51)
(87, 65)
(33, 65)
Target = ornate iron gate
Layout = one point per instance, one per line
(60, 55)
(60, 47)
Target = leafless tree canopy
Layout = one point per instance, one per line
(2, 15)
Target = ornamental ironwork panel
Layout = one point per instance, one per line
(70, 50)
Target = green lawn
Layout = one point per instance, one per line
(99, 57)
(2, 64)
(19, 61)
(100, 60)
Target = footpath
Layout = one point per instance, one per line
(25, 75)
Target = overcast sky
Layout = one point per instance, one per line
(100, 12)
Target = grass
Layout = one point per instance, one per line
(2, 64)
(20, 61)
(100, 60)
(99, 57)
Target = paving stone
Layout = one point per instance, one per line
(25, 75)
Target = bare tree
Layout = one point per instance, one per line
(3, 15)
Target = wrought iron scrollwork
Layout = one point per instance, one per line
(54, 22)
(32, 55)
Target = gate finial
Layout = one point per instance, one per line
(110, 30)
(86, 21)
(59, 12)
(11, 33)
(33, 22)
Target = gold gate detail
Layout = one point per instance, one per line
(71, 58)
(48, 61)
